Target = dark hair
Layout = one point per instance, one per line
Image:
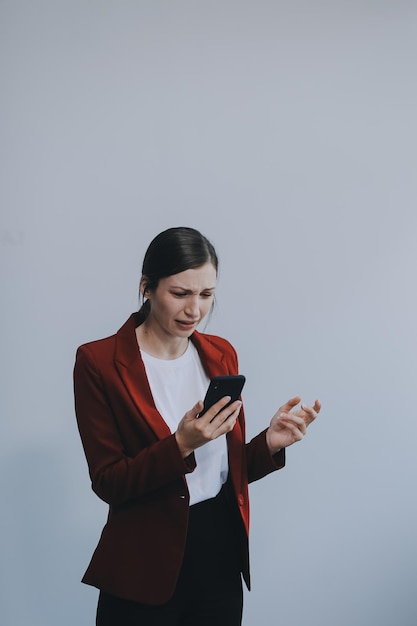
(171, 252)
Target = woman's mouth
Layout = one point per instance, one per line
(186, 324)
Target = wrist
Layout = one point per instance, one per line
(272, 449)
(184, 450)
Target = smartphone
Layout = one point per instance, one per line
(221, 386)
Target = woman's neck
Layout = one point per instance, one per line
(160, 347)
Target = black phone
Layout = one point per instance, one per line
(221, 386)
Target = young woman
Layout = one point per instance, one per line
(175, 545)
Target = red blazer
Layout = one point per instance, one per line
(136, 467)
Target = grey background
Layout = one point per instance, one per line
(286, 132)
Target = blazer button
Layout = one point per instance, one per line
(241, 500)
(183, 497)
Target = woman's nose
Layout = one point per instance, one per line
(192, 308)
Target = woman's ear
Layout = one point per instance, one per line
(143, 287)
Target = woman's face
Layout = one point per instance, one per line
(181, 301)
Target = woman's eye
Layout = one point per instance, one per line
(204, 295)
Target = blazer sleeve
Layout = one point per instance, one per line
(260, 462)
(118, 476)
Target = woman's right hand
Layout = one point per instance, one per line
(193, 432)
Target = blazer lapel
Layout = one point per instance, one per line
(131, 369)
(212, 359)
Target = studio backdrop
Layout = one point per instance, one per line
(284, 131)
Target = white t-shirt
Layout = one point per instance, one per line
(176, 385)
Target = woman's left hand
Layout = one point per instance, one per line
(288, 426)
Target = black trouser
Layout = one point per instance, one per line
(209, 589)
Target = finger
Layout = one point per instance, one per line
(211, 413)
(294, 420)
(294, 424)
(290, 404)
(225, 420)
(317, 406)
(315, 409)
(311, 411)
(227, 412)
(197, 408)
